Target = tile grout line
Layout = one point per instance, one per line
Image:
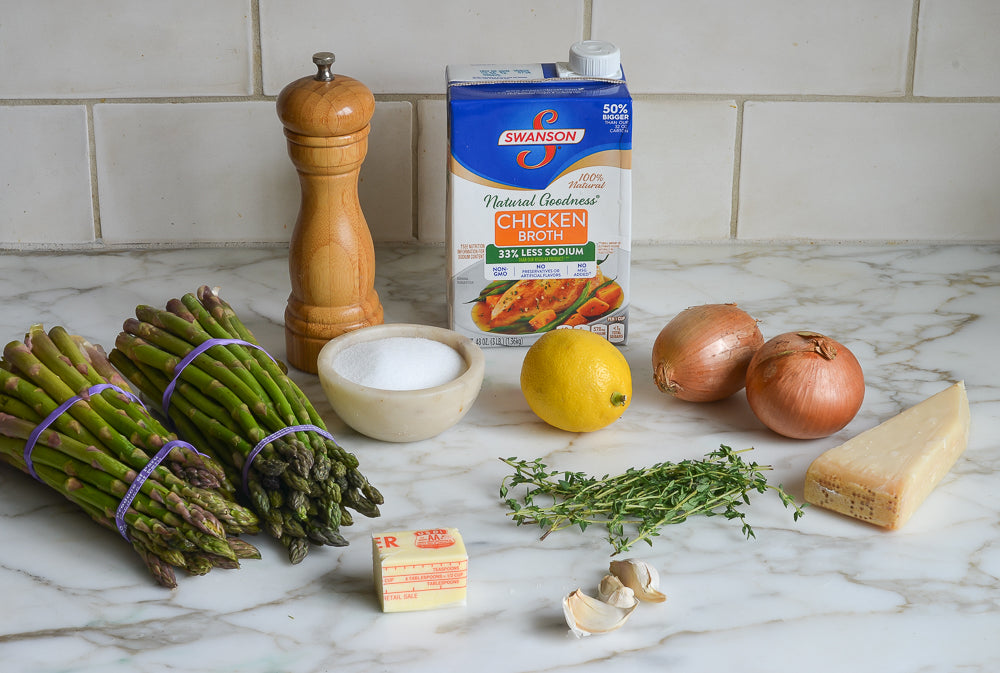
(734, 206)
(415, 169)
(911, 52)
(256, 55)
(95, 197)
(404, 96)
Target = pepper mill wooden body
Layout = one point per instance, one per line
(331, 258)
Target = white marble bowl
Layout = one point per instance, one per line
(402, 415)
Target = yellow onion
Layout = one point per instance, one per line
(702, 354)
(805, 385)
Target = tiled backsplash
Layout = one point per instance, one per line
(126, 123)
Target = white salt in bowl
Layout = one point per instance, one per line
(376, 410)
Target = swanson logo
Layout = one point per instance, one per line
(539, 135)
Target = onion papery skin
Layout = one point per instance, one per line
(702, 354)
(804, 385)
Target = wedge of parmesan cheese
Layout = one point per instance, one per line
(884, 474)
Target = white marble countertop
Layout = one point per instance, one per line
(825, 593)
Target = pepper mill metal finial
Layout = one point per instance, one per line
(331, 257)
(323, 60)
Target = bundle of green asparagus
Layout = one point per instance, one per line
(232, 398)
(102, 449)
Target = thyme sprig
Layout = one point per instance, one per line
(635, 505)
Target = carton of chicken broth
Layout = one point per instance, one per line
(539, 202)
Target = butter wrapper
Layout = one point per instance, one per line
(420, 569)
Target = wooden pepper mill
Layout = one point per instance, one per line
(331, 259)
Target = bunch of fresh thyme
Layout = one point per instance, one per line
(645, 499)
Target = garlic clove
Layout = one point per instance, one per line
(640, 577)
(613, 592)
(587, 615)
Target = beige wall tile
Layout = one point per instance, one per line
(402, 46)
(870, 171)
(762, 47)
(220, 172)
(118, 48)
(958, 51)
(45, 187)
(432, 169)
(386, 186)
(682, 170)
(199, 172)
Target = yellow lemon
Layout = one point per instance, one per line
(576, 380)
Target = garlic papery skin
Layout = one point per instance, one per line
(613, 592)
(640, 577)
(587, 615)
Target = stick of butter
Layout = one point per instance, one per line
(883, 475)
(420, 569)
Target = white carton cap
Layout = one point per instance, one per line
(594, 58)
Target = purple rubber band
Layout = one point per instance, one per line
(189, 358)
(140, 479)
(29, 446)
(98, 387)
(270, 438)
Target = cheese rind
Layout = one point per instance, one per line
(884, 474)
(420, 569)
